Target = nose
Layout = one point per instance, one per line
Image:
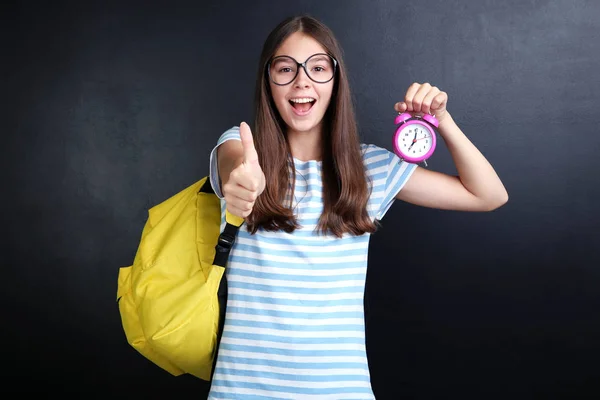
(302, 80)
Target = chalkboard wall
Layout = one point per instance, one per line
(110, 107)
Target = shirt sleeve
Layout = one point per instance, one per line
(399, 172)
(230, 134)
(388, 174)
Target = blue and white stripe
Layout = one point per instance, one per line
(294, 327)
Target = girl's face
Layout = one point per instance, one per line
(301, 103)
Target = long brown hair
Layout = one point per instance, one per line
(345, 188)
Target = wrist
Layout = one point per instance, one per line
(446, 124)
(444, 120)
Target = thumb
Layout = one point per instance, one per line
(250, 154)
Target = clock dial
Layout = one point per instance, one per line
(415, 140)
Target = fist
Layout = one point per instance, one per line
(246, 181)
(424, 99)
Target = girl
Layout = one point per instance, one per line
(311, 195)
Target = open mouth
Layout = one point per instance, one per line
(302, 105)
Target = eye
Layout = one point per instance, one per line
(285, 69)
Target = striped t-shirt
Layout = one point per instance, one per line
(294, 326)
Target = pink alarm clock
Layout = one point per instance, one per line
(415, 138)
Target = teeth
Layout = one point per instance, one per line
(303, 100)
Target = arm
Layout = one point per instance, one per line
(477, 186)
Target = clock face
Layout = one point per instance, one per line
(414, 140)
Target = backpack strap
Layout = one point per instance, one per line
(222, 250)
(223, 247)
(227, 236)
(227, 239)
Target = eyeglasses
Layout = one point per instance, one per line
(320, 68)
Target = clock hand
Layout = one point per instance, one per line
(414, 140)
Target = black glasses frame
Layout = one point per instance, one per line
(303, 65)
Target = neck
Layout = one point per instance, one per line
(306, 145)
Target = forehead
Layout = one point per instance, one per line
(299, 46)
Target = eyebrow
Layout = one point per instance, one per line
(321, 58)
(279, 59)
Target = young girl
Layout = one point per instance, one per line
(311, 195)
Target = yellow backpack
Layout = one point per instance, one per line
(172, 298)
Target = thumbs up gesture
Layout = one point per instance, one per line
(247, 180)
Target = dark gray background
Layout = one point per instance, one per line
(109, 108)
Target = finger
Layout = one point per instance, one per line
(237, 212)
(400, 106)
(417, 101)
(410, 94)
(250, 154)
(237, 191)
(438, 104)
(426, 106)
(241, 180)
(239, 204)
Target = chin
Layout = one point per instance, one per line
(303, 124)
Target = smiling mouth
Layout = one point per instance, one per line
(302, 105)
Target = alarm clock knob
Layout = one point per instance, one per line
(431, 119)
(402, 118)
